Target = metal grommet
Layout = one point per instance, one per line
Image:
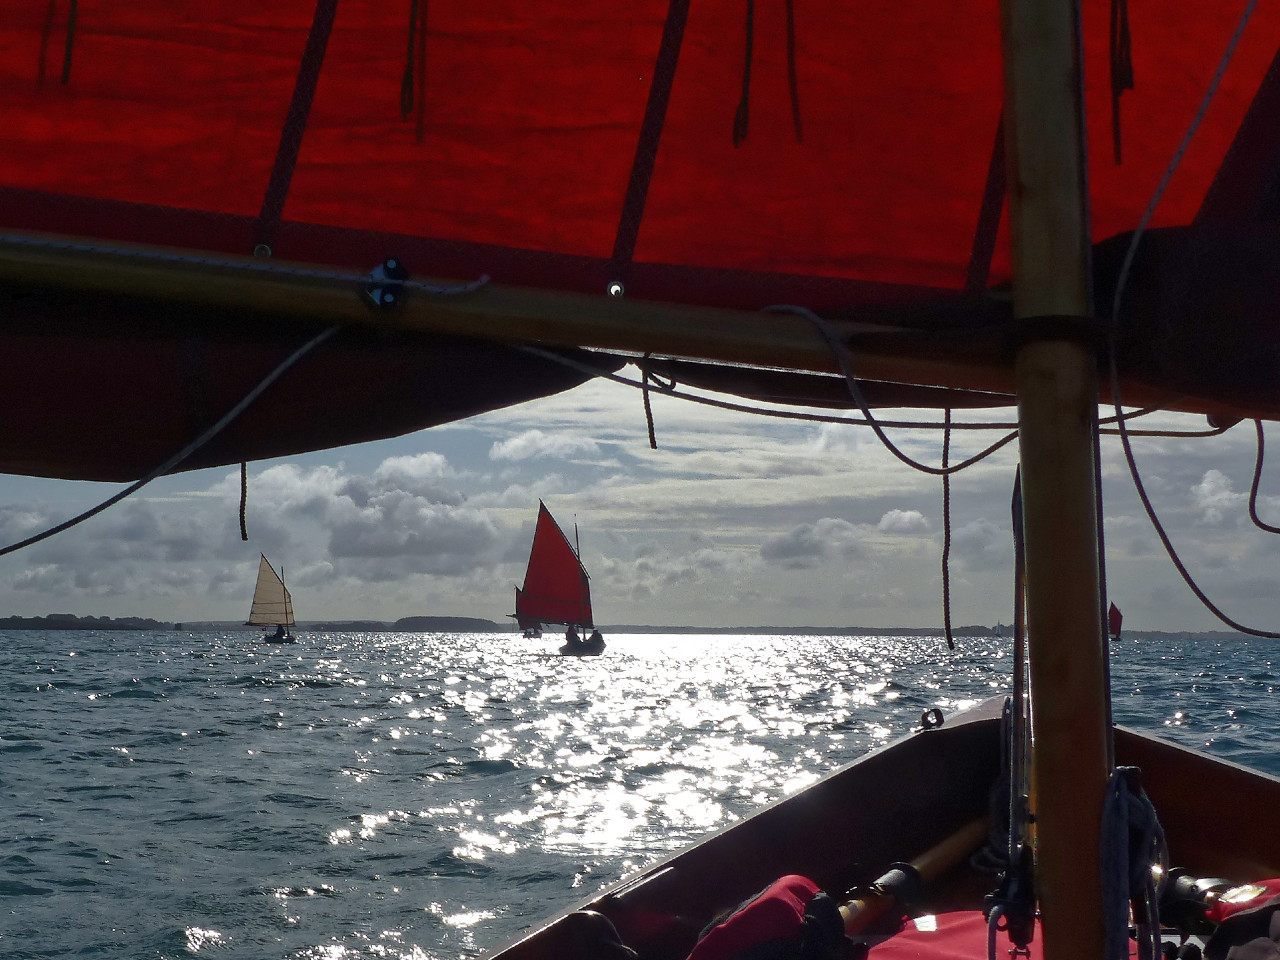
(931, 719)
(262, 250)
(615, 289)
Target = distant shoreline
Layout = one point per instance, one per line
(69, 621)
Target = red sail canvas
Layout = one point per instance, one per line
(556, 589)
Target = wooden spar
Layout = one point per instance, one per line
(860, 912)
(1057, 412)
(272, 292)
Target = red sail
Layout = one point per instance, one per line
(555, 585)
(1114, 619)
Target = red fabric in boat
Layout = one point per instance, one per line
(776, 914)
(959, 936)
(1221, 909)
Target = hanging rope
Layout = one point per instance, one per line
(71, 40)
(413, 83)
(46, 36)
(1121, 282)
(791, 70)
(1121, 66)
(1257, 477)
(244, 498)
(648, 409)
(946, 534)
(743, 113)
(842, 358)
(186, 451)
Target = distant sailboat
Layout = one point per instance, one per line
(557, 589)
(272, 605)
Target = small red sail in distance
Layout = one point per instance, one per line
(556, 588)
(1114, 618)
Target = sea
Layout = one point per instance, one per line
(380, 795)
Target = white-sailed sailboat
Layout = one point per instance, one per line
(272, 604)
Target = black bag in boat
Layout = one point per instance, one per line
(791, 919)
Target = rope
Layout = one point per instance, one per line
(71, 40)
(791, 70)
(648, 408)
(186, 451)
(413, 82)
(993, 925)
(1174, 163)
(1121, 66)
(1132, 843)
(1257, 477)
(742, 114)
(1121, 282)
(244, 498)
(946, 534)
(842, 358)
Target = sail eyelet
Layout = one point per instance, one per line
(931, 719)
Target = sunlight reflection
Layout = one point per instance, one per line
(199, 938)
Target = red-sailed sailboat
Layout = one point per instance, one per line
(557, 589)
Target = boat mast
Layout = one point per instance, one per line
(1057, 413)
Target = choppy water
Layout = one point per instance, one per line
(431, 795)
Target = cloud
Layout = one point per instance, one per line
(838, 438)
(903, 521)
(811, 544)
(1215, 501)
(982, 545)
(535, 443)
(650, 575)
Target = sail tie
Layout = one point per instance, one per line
(244, 499)
(1121, 66)
(47, 35)
(413, 83)
(1133, 843)
(791, 70)
(742, 115)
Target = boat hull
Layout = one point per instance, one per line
(892, 805)
(581, 650)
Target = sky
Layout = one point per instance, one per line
(734, 520)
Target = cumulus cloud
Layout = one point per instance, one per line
(1215, 500)
(535, 443)
(903, 521)
(404, 517)
(982, 545)
(650, 574)
(838, 438)
(811, 544)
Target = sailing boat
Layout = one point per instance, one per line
(648, 186)
(557, 590)
(272, 605)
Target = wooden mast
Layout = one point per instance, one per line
(1057, 411)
